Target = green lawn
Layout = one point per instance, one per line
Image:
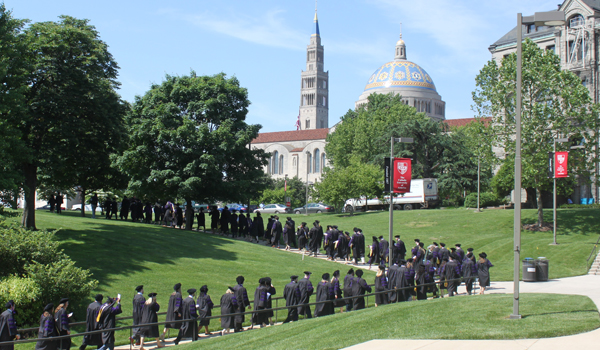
(475, 317)
(122, 255)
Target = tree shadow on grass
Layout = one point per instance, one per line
(570, 221)
(559, 313)
(107, 249)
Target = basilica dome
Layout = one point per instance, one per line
(407, 79)
(400, 73)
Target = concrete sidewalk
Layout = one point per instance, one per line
(588, 285)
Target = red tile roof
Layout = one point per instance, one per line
(296, 135)
(297, 150)
(464, 121)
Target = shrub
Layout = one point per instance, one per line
(486, 199)
(34, 272)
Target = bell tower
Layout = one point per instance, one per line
(314, 89)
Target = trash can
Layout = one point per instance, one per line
(529, 270)
(541, 264)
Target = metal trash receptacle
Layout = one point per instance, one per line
(542, 266)
(529, 270)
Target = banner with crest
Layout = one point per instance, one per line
(560, 164)
(402, 175)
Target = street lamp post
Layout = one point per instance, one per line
(402, 140)
(307, 166)
(285, 190)
(551, 18)
(554, 192)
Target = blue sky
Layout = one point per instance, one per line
(263, 43)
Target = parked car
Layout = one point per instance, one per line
(88, 207)
(315, 208)
(236, 206)
(47, 207)
(273, 209)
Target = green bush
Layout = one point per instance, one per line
(34, 272)
(486, 199)
(580, 206)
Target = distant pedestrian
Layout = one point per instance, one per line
(205, 306)
(483, 271)
(52, 202)
(94, 203)
(201, 220)
(59, 202)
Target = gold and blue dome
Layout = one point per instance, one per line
(400, 73)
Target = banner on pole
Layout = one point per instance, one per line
(551, 165)
(402, 173)
(387, 175)
(560, 164)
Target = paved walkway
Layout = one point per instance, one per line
(588, 285)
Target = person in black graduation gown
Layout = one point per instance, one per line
(374, 253)
(201, 219)
(399, 248)
(483, 272)
(225, 218)
(270, 292)
(138, 306)
(114, 209)
(8, 326)
(61, 317)
(336, 291)
(302, 236)
(107, 319)
(242, 225)
(47, 330)
(452, 274)
(325, 297)
(444, 253)
(91, 324)
(124, 208)
(214, 219)
(291, 293)
(277, 230)
(233, 220)
(357, 243)
(384, 249)
(228, 307)
(306, 290)
(258, 227)
(316, 238)
(149, 315)
(348, 282)
(259, 317)
(397, 282)
(469, 272)
(342, 246)
(188, 329)
(241, 296)
(291, 233)
(205, 306)
(358, 290)
(173, 310)
(381, 285)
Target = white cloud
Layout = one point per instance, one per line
(269, 29)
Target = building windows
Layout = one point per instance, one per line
(551, 48)
(324, 84)
(281, 164)
(295, 162)
(307, 124)
(275, 163)
(309, 163)
(322, 161)
(317, 161)
(324, 101)
(576, 21)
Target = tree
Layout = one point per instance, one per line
(365, 135)
(67, 95)
(555, 104)
(189, 139)
(356, 180)
(276, 192)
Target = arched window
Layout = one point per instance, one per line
(317, 161)
(281, 164)
(275, 163)
(294, 162)
(309, 163)
(322, 161)
(307, 124)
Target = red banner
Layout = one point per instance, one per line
(402, 175)
(560, 164)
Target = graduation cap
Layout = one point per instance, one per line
(355, 229)
(452, 250)
(289, 218)
(293, 277)
(261, 280)
(240, 279)
(63, 300)
(443, 244)
(336, 273)
(49, 307)
(347, 233)
(382, 267)
(9, 304)
(402, 261)
(335, 226)
(457, 245)
(307, 273)
(397, 236)
(268, 281)
(177, 286)
(351, 271)
(483, 255)
(417, 240)
(303, 223)
(204, 289)
(380, 237)
(359, 273)
(230, 288)
(470, 249)
(99, 297)
(109, 300)
(152, 295)
(325, 276)
(435, 244)
(360, 230)
(138, 288)
(191, 291)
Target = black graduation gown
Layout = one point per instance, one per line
(277, 231)
(138, 306)
(92, 325)
(233, 220)
(421, 279)
(188, 311)
(201, 220)
(205, 306)
(342, 246)
(291, 233)
(149, 316)
(380, 286)
(61, 319)
(241, 296)
(291, 293)
(242, 224)
(400, 249)
(336, 291)
(260, 304)
(301, 237)
(358, 289)
(468, 266)
(174, 310)
(271, 291)
(214, 218)
(107, 321)
(384, 249)
(228, 306)
(324, 296)
(258, 227)
(452, 274)
(348, 282)
(225, 217)
(397, 280)
(316, 237)
(8, 329)
(306, 290)
(374, 257)
(47, 330)
(483, 272)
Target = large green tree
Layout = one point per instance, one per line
(68, 102)
(555, 104)
(189, 139)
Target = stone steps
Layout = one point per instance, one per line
(595, 268)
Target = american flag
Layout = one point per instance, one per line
(298, 122)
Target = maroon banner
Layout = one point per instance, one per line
(560, 164)
(402, 175)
